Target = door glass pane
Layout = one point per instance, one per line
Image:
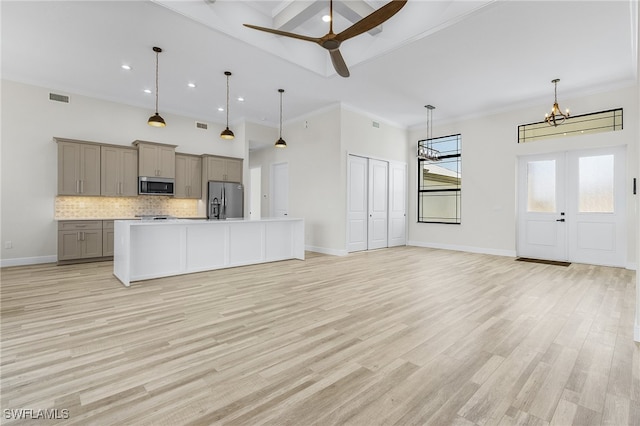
(595, 184)
(541, 186)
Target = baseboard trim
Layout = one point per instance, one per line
(632, 266)
(23, 261)
(324, 250)
(480, 250)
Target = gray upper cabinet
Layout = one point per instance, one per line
(155, 159)
(78, 168)
(118, 171)
(188, 176)
(223, 168)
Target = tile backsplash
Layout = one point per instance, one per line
(69, 207)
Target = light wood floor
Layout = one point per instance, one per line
(403, 336)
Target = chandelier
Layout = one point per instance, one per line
(425, 146)
(557, 116)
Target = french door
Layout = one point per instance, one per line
(571, 206)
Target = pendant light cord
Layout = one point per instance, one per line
(227, 74)
(157, 53)
(281, 91)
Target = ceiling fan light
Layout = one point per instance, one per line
(156, 121)
(227, 134)
(280, 143)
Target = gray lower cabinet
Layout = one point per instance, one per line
(81, 240)
(107, 238)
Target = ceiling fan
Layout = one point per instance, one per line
(332, 41)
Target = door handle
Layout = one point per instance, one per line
(560, 220)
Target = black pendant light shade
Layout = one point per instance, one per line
(280, 143)
(155, 120)
(226, 133)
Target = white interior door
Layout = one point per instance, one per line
(572, 207)
(357, 170)
(255, 199)
(279, 189)
(397, 204)
(541, 211)
(378, 204)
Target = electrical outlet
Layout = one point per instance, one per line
(8, 244)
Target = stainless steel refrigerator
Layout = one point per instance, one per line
(225, 200)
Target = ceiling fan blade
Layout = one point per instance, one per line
(338, 63)
(372, 20)
(283, 33)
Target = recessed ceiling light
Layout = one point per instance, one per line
(147, 90)
(240, 99)
(192, 85)
(326, 18)
(126, 67)
(220, 109)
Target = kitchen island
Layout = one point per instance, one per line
(160, 248)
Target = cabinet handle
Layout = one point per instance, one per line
(78, 236)
(82, 235)
(77, 187)
(82, 187)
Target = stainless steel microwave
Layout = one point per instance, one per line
(155, 186)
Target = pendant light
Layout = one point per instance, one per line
(280, 143)
(155, 120)
(226, 133)
(557, 116)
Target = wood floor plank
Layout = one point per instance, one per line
(405, 336)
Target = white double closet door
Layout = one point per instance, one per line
(376, 203)
(572, 206)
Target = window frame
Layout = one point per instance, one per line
(420, 179)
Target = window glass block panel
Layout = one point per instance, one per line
(440, 207)
(541, 186)
(595, 184)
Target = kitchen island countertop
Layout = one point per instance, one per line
(146, 249)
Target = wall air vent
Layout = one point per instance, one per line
(203, 126)
(58, 98)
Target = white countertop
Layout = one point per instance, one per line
(205, 221)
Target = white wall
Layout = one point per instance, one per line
(489, 157)
(312, 151)
(360, 137)
(29, 156)
(636, 333)
(317, 148)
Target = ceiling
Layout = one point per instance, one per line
(465, 57)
